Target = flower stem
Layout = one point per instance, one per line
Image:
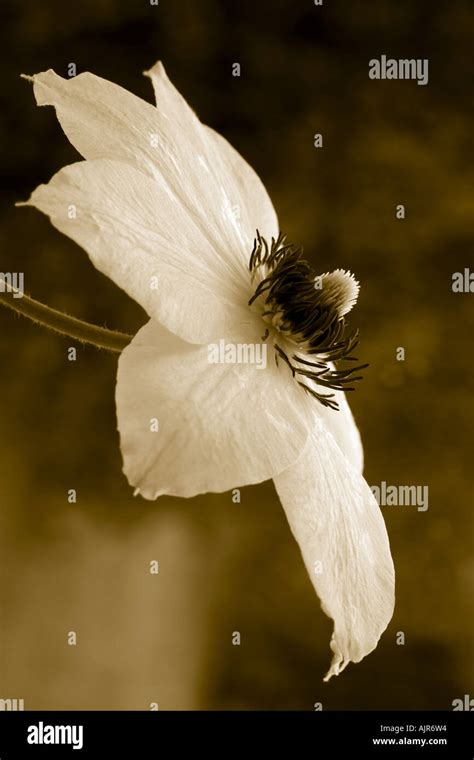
(62, 323)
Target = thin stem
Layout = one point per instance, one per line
(62, 323)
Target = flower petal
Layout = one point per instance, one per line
(252, 206)
(342, 425)
(338, 525)
(220, 426)
(103, 120)
(254, 210)
(144, 240)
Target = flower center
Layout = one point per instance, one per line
(305, 314)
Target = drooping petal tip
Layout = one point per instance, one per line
(337, 663)
(341, 533)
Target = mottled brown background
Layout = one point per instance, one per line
(225, 566)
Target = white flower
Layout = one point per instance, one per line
(162, 198)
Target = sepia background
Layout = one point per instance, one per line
(227, 567)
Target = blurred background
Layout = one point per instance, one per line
(226, 567)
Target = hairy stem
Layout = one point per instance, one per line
(60, 322)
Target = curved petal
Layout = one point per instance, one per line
(220, 426)
(168, 142)
(342, 425)
(341, 533)
(251, 206)
(254, 210)
(142, 239)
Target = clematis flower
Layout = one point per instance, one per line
(174, 216)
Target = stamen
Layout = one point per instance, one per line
(340, 289)
(309, 318)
